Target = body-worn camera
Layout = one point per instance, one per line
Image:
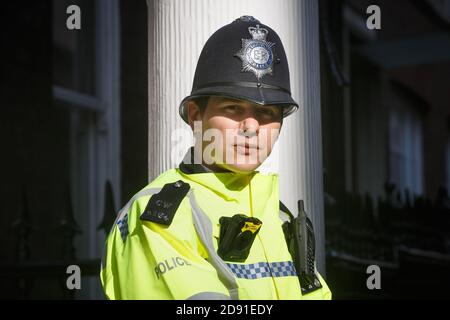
(237, 234)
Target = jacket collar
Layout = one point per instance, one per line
(188, 166)
(227, 184)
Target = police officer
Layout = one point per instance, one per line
(214, 227)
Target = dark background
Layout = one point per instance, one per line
(385, 113)
(386, 144)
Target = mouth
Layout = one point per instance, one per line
(245, 148)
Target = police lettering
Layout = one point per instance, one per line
(169, 264)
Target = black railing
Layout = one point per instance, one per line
(407, 237)
(20, 276)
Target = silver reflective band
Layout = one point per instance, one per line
(145, 192)
(208, 296)
(203, 227)
(121, 215)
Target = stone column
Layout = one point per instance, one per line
(177, 31)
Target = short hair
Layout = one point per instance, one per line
(201, 102)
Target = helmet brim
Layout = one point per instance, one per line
(260, 96)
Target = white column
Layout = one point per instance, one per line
(302, 176)
(177, 32)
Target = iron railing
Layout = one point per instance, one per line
(19, 276)
(407, 237)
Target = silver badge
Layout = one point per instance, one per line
(256, 54)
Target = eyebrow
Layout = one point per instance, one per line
(231, 100)
(225, 99)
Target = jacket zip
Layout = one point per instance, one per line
(258, 235)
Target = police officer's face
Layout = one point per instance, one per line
(237, 135)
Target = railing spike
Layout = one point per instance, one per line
(69, 228)
(109, 211)
(23, 229)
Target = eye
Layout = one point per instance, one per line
(232, 108)
(267, 112)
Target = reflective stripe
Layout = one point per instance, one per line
(145, 192)
(263, 269)
(203, 227)
(122, 216)
(208, 296)
(282, 269)
(122, 220)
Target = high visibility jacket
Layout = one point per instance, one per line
(149, 260)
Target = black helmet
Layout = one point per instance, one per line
(243, 60)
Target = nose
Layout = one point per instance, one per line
(249, 126)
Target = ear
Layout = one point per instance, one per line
(193, 112)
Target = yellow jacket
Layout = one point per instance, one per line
(149, 260)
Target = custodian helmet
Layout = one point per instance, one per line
(243, 60)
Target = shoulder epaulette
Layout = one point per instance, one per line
(162, 206)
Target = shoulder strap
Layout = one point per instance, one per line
(285, 213)
(162, 206)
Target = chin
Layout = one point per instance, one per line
(243, 168)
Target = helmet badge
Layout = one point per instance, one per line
(256, 53)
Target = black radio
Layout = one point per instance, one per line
(301, 243)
